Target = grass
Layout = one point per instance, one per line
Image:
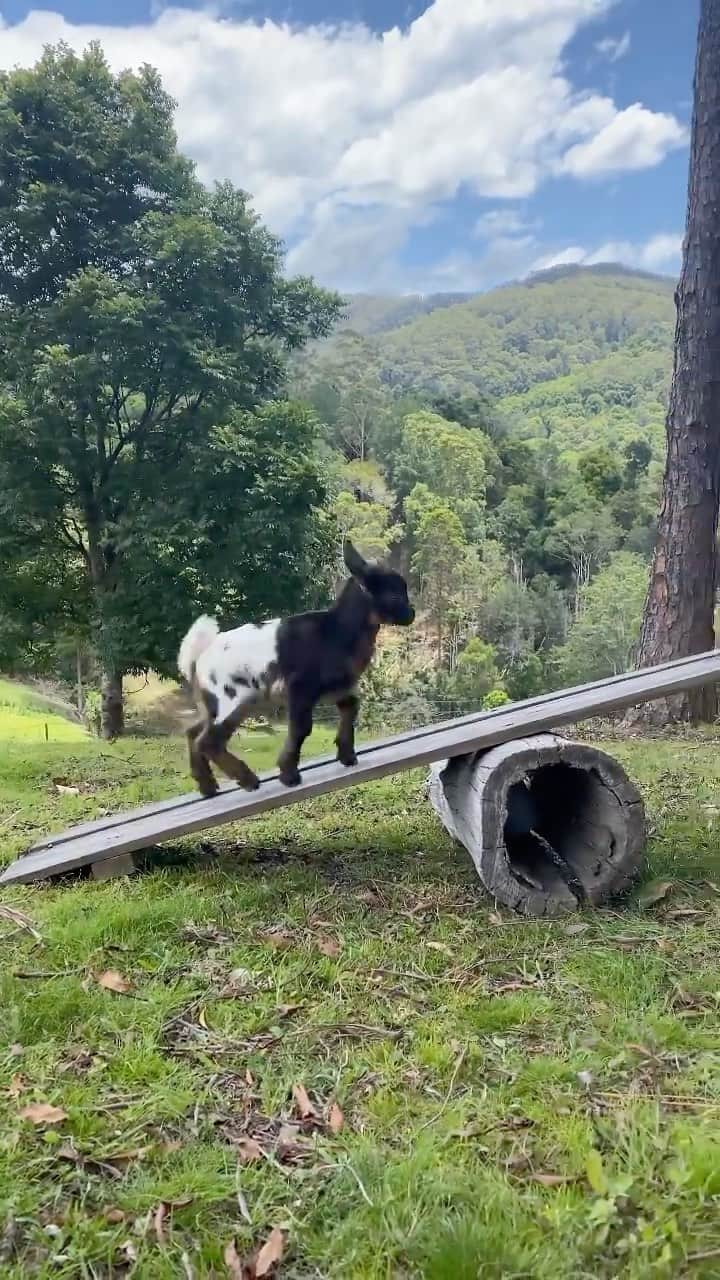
(518, 1099)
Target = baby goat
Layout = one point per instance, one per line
(300, 659)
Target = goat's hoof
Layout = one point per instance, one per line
(251, 782)
(290, 777)
(348, 758)
(208, 790)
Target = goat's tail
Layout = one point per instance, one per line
(201, 634)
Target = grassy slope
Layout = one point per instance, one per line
(478, 1060)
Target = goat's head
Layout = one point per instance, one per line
(387, 589)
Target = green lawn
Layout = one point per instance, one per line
(487, 1097)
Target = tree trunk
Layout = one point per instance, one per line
(679, 609)
(112, 718)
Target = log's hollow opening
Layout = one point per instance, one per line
(575, 812)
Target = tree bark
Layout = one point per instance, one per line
(678, 619)
(112, 716)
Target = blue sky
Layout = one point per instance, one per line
(411, 146)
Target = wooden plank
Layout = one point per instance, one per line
(376, 760)
(178, 803)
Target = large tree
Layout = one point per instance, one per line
(678, 618)
(143, 326)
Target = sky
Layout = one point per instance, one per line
(401, 146)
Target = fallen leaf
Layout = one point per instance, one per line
(439, 946)
(111, 980)
(159, 1222)
(627, 942)
(494, 918)
(65, 789)
(126, 1157)
(329, 947)
(168, 1148)
(276, 937)
(684, 913)
(654, 892)
(270, 1254)
(573, 930)
(202, 1019)
(248, 1150)
(42, 1113)
(641, 1049)
(552, 1179)
(233, 1262)
(303, 1103)
(113, 1216)
(596, 1175)
(287, 1010)
(336, 1119)
(18, 1085)
(13, 916)
(128, 1252)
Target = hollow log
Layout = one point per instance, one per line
(551, 825)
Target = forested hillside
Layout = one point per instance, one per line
(506, 449)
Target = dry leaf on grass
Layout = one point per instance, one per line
(43, 1113)
(128, 1252)
(163, 1211)
(336, 1119)
(126, 1157)
(111, 980)
(655, 891)
(233, 1262)
(574, 930)
(18, 1085)
(329, 947)
(439, 946)
(552, 1179)
(159, 1217)
(303, 1103)
(113, 1216)
(276, 936)
(270, 1254)
(13, 916)
(65, 788)
(248, 1150)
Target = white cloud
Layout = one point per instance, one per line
(633, 139)
(504, 221)
(660, 253)
(348, 139)
(614, 48)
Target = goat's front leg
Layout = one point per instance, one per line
(348, 706)
(300, 723)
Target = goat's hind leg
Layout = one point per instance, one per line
(199, 767)
(300, 723)
(348, 706)
(213, 743)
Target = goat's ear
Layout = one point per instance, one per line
(354, 562)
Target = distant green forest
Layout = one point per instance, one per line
(506, 449)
